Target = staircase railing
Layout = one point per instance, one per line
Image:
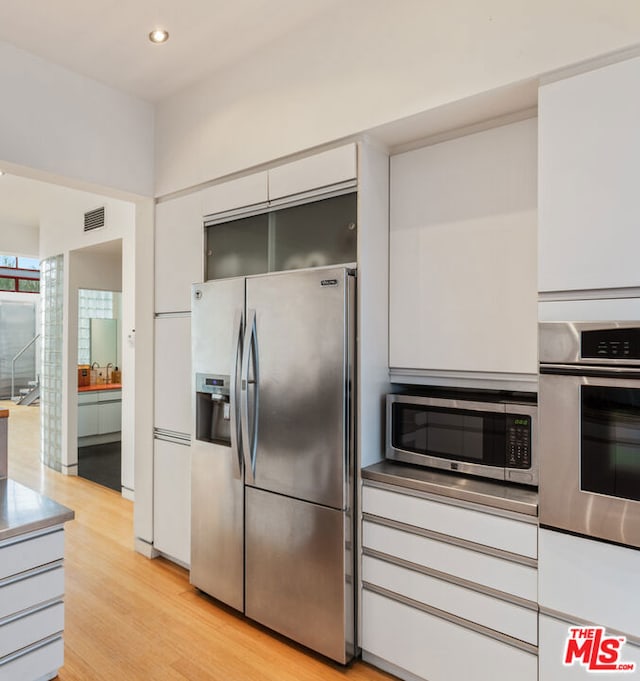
(15, 359)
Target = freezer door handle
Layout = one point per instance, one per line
(249, 361)
(233, 396)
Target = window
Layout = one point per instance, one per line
(19, 274)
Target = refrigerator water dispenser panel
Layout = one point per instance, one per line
(213, 412)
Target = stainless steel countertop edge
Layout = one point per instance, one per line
(23, 510)
(496, 495)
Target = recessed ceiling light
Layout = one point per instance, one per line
(159, 35)
(1, 172)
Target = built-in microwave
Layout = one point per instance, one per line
(492, 439)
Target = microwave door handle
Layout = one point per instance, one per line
(247, 444)
(236, 455)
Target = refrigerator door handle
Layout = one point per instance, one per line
(233, 396)
(249, 357)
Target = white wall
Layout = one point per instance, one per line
(61, 232)
(19, 240)
(59, 122)
(368, 62)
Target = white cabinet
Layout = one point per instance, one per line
(313, 172)
(179, 252)
(243, 192)
(449, 591)
(173, 374)
(172, 500)
(31, 605)
(553, 643)
(463, 289)
(589, 204)
(100, 413)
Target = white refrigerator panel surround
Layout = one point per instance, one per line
(172, 500)
(589, 164)
(463, 291)
(245, 191)
(173, 374)
(179, 252)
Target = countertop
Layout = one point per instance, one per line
(103, 386)
(24, 510)
(504, 496)
(4, 413)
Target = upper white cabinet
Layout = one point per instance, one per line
(463, 289)
(179, 252)
(313, 172)
(250, 190)
(589, 234)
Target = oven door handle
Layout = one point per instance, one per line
(592, 371)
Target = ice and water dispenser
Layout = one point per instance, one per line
(213, 410)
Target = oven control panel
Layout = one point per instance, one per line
(518, 441)
(611, 344)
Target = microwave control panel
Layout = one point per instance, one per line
(518, 441)
(611, 344)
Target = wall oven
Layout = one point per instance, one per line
(491, 438)
(589, 397)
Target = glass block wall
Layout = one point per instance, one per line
(52, 298)
(96, 305)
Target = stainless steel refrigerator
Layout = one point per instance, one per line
(272, 493)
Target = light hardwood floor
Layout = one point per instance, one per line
(129, 618)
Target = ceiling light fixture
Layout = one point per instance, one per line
(159, 35)
(1, 173)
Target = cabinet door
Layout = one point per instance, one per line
(172, 500)
(173, 374)
(463, 290)
(429, 647)
(321, 170)
(109, 417)
(87, 419)
(241, 193)
(589, 165)
(179, 252)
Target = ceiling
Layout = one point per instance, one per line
(107, 39)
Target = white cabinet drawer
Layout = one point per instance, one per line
(36, 663)
(436, 649)
(464, 563)
(27, 554)
(475, 526)
(590, 580)
(87, 398)
(553, 641)
(87, 420)
(109, 395)
(29, 590)
(23, 631)
(494, 613)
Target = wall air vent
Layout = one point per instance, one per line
(94, 219)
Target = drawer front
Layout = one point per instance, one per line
(87, 398)
(27, 554)
(109, 395)
(490, 571)
(590, 580)
(482, 528)
(36, 663)
(30, 590)
(489, 611)
(553, 641)
(435, 649)
(23, 631)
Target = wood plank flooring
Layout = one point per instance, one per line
(129, 618)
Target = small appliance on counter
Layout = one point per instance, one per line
(491, 435)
